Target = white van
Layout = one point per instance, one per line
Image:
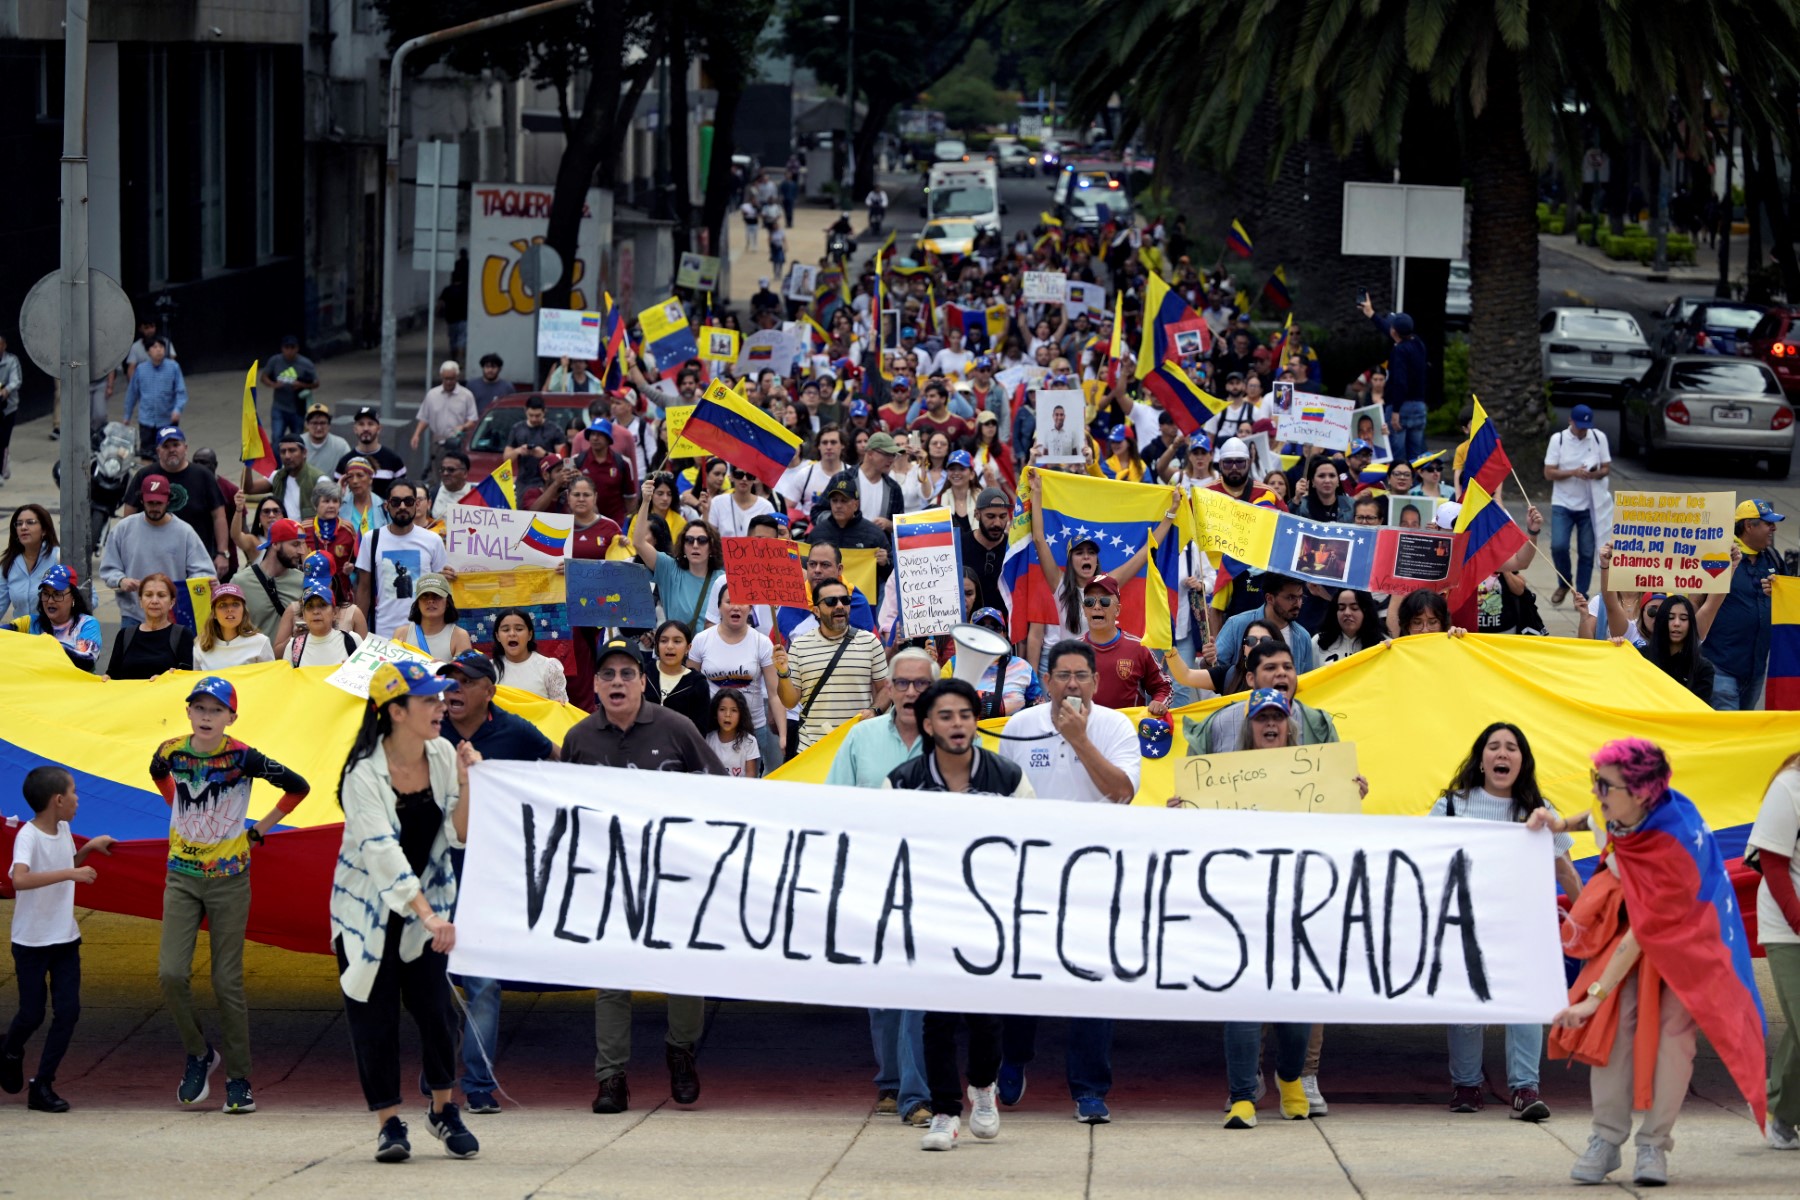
(966, 191)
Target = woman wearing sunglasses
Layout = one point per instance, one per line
(686, 579)
(731, 515)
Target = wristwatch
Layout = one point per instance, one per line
(1596, 992)
(255, 836)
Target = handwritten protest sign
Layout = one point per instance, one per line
(768, 349)
(1312, 779)
(1316, 421)
(675, 419)
(607, 594)
(353, 674)
(765, 571)
(1408, 560)
(1230, 527)
(1044, 287)
(568, 333)
(1672, 541)
(928, 572)
(477, 538)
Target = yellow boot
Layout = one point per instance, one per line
(1242, 1115)
(1293, 1099)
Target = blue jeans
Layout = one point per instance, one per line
(1411, 442)
(1243, 1054)
(899, 1038)
(481, 1033)
(285, 418)
(1732, 694)
(770, 747)
(1579, 522)
(1524, 1050)
(1088, 1062)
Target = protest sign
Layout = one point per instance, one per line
(1044, 287)
(661, 320)
(477, 538)
(1414, 560)
(1369, 424)
(675, 419)
(1079, 297)
(1331, 553)
(765, 571)
(699, 272)
(961, 903)
(802, 281)
(1233, 528)
(1310, 779)
(1672, 541)
(928, 572)
(353, 673)
(1061, 426)
(481, 596)
(718, 345)
(1316, 421)
(772, 349)
(608, 594)
(565, 333)
(1189, 339)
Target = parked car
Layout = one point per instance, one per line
(1776, 341)
(1674, 314)
(1705, 402)
(487, 445)
(1014, 159)
(1591, 352)
(947, 237)
(1457, 306)
(1715, 327)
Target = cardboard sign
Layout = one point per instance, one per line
(661, 320)
(700, 272)
(1310, 779)
(568, 333)
(761, 570)
(675, 419)
(354, 672)
(477, 538)
(1672, 541)
(768, 350)
(802, 280)
(1370, 424)
(1409, 560)
(1045, 287)
(928, 572)
(1062, 445)
(1080, 297)
(608, 594)
(1314, 420)
(719, 345)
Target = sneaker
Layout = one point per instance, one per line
(56, 435)
(12, 1073)
(1600, 1159)
(1527, 1105)
(194, 1087)
(1466, 1100)
(392, 1145)
(42, 1098)
(1559, 595)
(1293, 1099)
(942, 1134)
(614, 1095)
(1315, 1100)
(1652, 1168)
(684, 1081)
(887, 1101)
(1241, 1115)
(446, 1125)
(1262, 1089)
(238, 1096)
(1782, 1136)
(1011, 1083)
(480, 1102)
(984, 1118)
(920, 1115)
(1092, 1110)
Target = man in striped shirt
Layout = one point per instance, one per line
(829, 695)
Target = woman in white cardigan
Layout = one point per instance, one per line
(392, 892)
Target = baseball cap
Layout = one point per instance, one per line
(316, 566)
(1117, 434)
(991, 498)
(883, 443)
(226, 589)
(1156, 737)
(1199, 441)
(1581, 416)
(1105, 583)
(359, 463)
(1445, 517)
(549, 463)
(318, 410)
(984, 417)
(282, 530)
(619, 646)
(317, 589)
(170, 433)
(1234, 375)
(290, 340)
(58, 579)
(909, 332)
(1264, 699)
(601, 428)
(984, 362)
(154, 487)
(988, 614)
(900, 385)
(218, 689)
(1234, 450)
(1362, 446)
(842, 485)
(472, 664)
(370, 413)
(859, 408)
(391, 681)
(960, 458)
(433, 585)
(1757, 510)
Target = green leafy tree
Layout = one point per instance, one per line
(967, 95)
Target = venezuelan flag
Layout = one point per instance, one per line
(924, 531)
(1485, 463)
(498, 490)
(256, 453)
(1163, 307)
(1276, 291)
(726, 424)
(612, 372)
(1181, 397)
(1783, 688)
(815, 333)
(545, 539)
(1490, 538)
(1238, 240)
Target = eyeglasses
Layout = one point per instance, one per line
(1071, 676)
(56, 596)
(1096, 601)
(621, 675)
(1602, 786)
(834, 602)
(909, 685)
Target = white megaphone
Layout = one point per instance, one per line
(976, 649)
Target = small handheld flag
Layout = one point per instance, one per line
(498, 490)
(1238, 241)
(544, 539)
(726, 424)
(255, 453)
(1276, 291)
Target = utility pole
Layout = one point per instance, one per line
(74, 371)
(845, 201)
(1727, 211)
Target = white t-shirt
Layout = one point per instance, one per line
(327, 651)
(952, 362)
(1054, 770)
(738, 667)
(732, 521)
(291, 499)
(1777, 830)
(1597, 609)
(45, 916)
(540, 675)
(1567, 452)
(1145, 422)
(447, 499)
(253, 647)
(405, 559)
(733, 756)
(872, 494)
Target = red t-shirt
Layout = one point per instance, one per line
(1127, 674)
(950, 424)
(612, 482)
(591, 543)
(893, 420)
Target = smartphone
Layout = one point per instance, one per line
(1362, 296)
(1073, 704)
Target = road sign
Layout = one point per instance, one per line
(434, 205)
(111, 323)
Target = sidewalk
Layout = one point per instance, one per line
(1702, 276)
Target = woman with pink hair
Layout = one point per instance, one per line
(1667, 957)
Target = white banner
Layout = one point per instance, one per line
(958, 903)
(928, 572)
(1044, 287)
(1314, 420)
(568, 334)
(354, 674)
(477, 538)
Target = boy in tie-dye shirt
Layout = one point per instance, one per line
(206, 780)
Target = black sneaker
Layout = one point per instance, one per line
(446, 1125)
(194, 1086)
(614, 1095)
(12, 1073)
(392, 1145)
(42, 1098)
(684, 1081)
(238, 1096)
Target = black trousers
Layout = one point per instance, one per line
(53, 974)
(942, 1079)
(423, 988)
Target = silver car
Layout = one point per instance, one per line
(1591, 352)
(1709, 403)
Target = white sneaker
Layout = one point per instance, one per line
(1315, 1103)
(942, 1134)
(984, 1116)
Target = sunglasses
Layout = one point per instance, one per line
(1602, 787)
(399, 501)
(1434, 468)
(1096, 601)
(702, 540)
(834, 602)
(742, 475)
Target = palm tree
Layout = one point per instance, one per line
(1510, 72)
